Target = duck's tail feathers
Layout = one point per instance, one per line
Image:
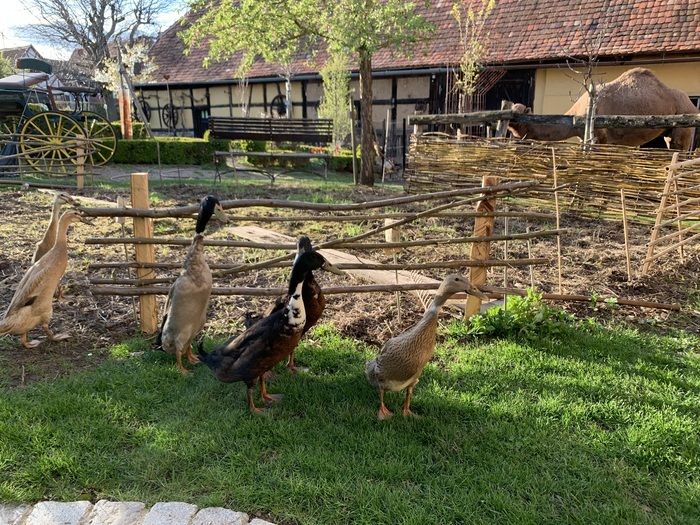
(5, 326)
(159, 336)
(371, 372)
(210, 359)
(250, 318)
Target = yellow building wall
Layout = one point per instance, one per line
(557, 89)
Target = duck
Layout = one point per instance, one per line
(32, 303)
(49, 239)
(401, 360)
(248, 356)
(188, 297)
(311, 293)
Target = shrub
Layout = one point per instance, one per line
(173, 150)
(252, 145)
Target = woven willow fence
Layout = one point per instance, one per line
(678, 215)
(594, 178)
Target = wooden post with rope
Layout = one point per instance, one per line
(483, 226)
(145, 253)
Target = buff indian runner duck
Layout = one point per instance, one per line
(32, 303)
(188, 298)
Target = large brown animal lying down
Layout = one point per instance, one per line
(635, 92)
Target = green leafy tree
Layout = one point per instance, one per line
(472, 39)
(277, 30)
(336, 95)
(6, 68)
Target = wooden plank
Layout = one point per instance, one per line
(145, 253)
(384, 277)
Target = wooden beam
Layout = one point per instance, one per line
(690, 120)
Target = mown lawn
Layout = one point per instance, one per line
(585, 425)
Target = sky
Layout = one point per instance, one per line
(14, 15)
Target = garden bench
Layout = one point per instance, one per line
(307, 131)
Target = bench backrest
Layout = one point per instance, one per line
(293, 130)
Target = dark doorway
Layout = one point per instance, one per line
(517, 85)
(200, 120)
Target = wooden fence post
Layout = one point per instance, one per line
(483, 226)
(145, 253)
(670, 177)
(80, 164)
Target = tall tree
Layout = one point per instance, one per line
(471, 18)
(277, 30)
(92, 24)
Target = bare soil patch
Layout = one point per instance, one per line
(593, 263)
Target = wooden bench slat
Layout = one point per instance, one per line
(294, 130)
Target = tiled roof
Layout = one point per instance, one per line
(14, 53)
(519, 31)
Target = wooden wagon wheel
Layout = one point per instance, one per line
(146, 107)
(170, 116)
(9, 126)
(278, 107)
(49, 142)
(102, 139)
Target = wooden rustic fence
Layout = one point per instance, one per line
(373, 218)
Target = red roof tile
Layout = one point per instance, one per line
(519, 31)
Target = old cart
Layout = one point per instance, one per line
(46, 128)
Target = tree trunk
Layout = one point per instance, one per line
(367, 140)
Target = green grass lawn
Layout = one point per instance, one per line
(582, 424)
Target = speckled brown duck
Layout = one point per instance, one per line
(401, 360)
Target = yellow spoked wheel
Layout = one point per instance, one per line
(101, 138)
(49, 142)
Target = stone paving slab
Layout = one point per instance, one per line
(258, 521)
(170, 513)
(121, 513)
(13, 514)
(219, 516)
(117, 513)
(55, 512)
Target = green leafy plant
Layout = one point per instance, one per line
(525, 317)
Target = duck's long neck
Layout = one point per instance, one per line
(296, 313)
(430, 317)
(53, 223)
(195, 262)
(62, 233)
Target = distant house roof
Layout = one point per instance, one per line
(14, 53)
(520, 32)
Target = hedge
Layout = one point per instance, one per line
(188, 150)
(173, 150)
